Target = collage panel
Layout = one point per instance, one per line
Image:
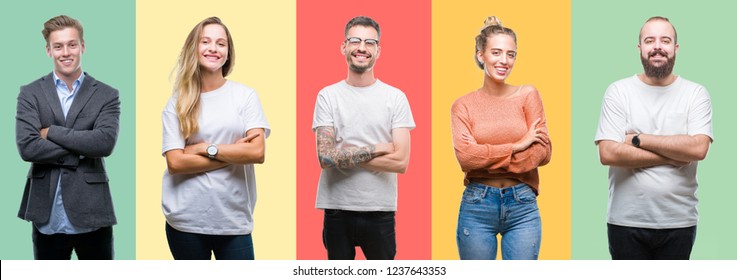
(540, 59)
(107, 57)
(264, 74)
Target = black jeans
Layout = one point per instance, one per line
(95, 245)
(195, 246)
(373, 231)
(631, 243)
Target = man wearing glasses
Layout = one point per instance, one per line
(362, 130)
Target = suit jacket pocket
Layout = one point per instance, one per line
(36, 173)
(94, 178)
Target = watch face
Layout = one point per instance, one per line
(212, 150)
(636, 141)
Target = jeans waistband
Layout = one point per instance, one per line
(491, 190)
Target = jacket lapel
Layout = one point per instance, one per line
(52, 98)
(87, 88)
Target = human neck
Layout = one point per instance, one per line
(69, 79)
(212, 80)
(495, 88)
(361, 79)
(657, 82)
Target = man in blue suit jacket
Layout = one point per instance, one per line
(66, 124)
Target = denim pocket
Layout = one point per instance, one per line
(525, 195)
(472, 195)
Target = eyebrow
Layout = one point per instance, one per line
(498, 49)
(655, 37)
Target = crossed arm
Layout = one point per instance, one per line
(676, 150)
(60, 145)
(193, 158)
(386, 157)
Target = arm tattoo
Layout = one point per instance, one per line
(344, 158)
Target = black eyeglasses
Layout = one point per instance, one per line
(355, 41)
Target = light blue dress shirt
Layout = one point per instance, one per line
(58, 220)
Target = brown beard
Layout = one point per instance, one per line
(658, 72)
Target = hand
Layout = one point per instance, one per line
(383, 149)
(197, 149)
(533, 135)
(248, 138)
(44, 132)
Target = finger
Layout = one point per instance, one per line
(537, 121)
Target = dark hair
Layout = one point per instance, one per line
(362, 21)
(60, 22)
(492, 26)
(675, 40)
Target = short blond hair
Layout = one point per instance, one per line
(60, 22)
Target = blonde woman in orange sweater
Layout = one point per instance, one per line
(500, 138)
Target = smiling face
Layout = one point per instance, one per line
(65, 47)
(498, 57)
(213, 48)
(658, 48)
(361, 55)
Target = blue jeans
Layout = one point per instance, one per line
(195, 246)
(374, 231)
(631, 243)
(487, 211)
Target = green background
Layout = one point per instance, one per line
(604, 50)
(109, 32)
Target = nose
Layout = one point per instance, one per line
(211, 47)
(65, 51)
(504, 59)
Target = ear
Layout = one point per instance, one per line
(677, 46)
(81, 51)
(639, 49)
(378, 52)
(48, 50)
(342, 48)
(480, 56)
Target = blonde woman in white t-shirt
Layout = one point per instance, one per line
(213, 132)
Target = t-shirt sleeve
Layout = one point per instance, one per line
(323, 115)
(613, 118)
(253, 115)
(699, 114)
(172, 138)
(402, 115)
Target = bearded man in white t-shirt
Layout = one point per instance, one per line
(654, 129)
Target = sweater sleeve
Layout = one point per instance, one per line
(472, 156)
(537, 154)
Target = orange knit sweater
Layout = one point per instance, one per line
(496, 123)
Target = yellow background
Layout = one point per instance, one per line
(544, 55)
(264, 37)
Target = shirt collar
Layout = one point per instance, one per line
(77, 82)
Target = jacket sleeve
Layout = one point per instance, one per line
(100, 140)
(31, 147)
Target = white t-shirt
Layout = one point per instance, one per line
(662, 196)
(361, 116)
(217, 202)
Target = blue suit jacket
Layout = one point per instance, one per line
(90, 130)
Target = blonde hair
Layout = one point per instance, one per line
(188, 82)
(492, 26)
(60, 22)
